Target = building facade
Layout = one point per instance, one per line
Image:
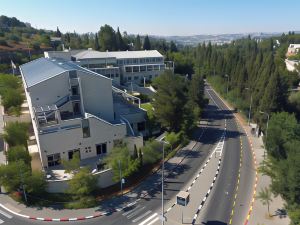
(74, 109)
(121, 66)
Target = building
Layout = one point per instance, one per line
(74, 109)
(121, 66)
(293, 49)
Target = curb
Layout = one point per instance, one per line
(64, 219)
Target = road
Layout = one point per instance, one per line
(218, 207)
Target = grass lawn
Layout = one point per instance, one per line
(149, 108)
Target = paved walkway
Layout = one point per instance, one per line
(260, 213)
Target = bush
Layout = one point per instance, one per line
(173, 139)
(36, 183)
(152, 152)
(18, 153)
(84, 202)
(16, 133)
(3, 43)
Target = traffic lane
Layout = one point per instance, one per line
(219, 203)
(246, 186)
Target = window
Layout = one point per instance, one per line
(142, 68)
(158, 60)
(54, 159)
(71, 153)
(136, 77)
(76, 108)
(86, 128)
(149, 68)
(141, 126)
(73, 74)
(117, 75)
(142, 60)
(75, 90)
(162, 67)
(135, 69)
(128, 69)
(101, 149)
(156, 67)
(135, 61)
(150, 77)
(112, 76)
(129, 78)
(120, 62)
(147, 60)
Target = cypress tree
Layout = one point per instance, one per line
(147, 45)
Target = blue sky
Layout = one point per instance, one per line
(161, 17)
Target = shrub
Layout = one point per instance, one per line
(173, 139)
(18, 153)
(16, 133)
(3, 43)
(36, 183)
(152, 152)
(84, 202)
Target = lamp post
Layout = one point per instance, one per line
(162, 182)
(250, 107)
(266, 131)
(226, 75)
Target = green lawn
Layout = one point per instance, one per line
(149, 108)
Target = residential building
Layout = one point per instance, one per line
(121, 66)
(293, 49)
(74, 109)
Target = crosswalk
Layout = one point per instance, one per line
(140, 215)
(4, 215)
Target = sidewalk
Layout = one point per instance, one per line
(258, 213)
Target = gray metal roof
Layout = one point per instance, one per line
(42, 69)
(92, 54)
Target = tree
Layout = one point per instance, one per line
(18, 153)
(107, 38)
(58, 33)
(173, 139)
(96, 43)
(265, 197)
(119, 159)
(35, 183)
(72, 165)
(16, 133)
(137, 43)
(151, 152)
(173, 47)
(119, 41)
(82, 184)
(169, 100)
(13, 175)
(147, 45)
(196, 91)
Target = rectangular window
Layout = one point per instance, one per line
(86, 128)
(142, 68)
(135, 69)
(142, 60)
(149, 68)
(101, 149)
(75, 90)
(135, 61)
(156, 67)
(73, 74)
(141, 126)
(162, 67)
(129, 78)
(72, 152)
(136, 77)
(53, 160)
(128, 69)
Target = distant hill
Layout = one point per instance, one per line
(6, 22)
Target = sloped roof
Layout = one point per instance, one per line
(42, 69)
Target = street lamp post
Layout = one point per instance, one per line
(266, 131)
(226, 75)
(250, 107)
(162, 185)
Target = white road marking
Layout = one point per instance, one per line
(5, 214)
(131, 215)
(141, 216)
(126, 213)
(148, 219)
(153, 221)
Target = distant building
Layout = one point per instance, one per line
(121, 66)
(293, 49)
(74, 109)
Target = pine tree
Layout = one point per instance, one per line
(173, 47)
(147, 45)
(137, 43)
(58, 33)
(96, 43)
(119, 41)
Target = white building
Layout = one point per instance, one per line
(76, 110)
(121, 66)
(293, 49)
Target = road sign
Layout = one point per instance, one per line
(123, 181)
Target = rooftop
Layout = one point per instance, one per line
(43, 69)
(92, 54)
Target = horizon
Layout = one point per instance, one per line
(167, 18)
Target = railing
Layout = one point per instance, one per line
(126, 95)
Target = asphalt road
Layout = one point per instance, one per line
(218, 208)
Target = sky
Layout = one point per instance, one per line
(158, 17)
